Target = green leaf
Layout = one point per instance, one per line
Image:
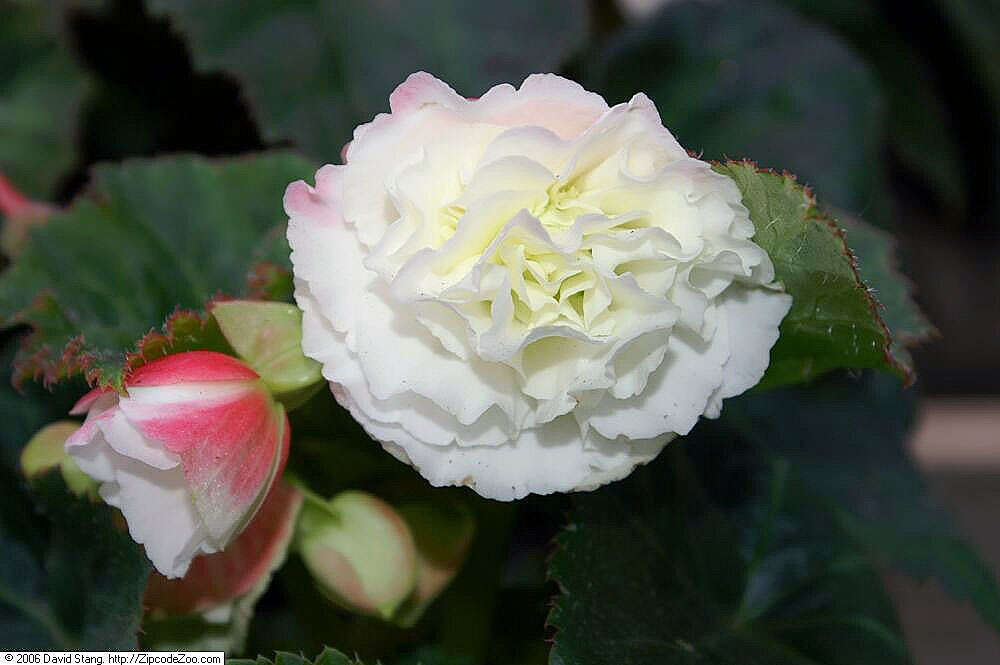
(41, 90)
(848, 440)
(154, 235)
(327, 657)
(312, 70)
(71, 579)
(271, 275)
(26, 412)
(762, 84)
(330, 656)
(834, 321)
(878, 266)
(651, 570)
(46, 452)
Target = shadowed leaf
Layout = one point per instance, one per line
(313, 70)
(153, 236)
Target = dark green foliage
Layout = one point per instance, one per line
(847, 439)
(72, 578)
(650, 571)
(761, 538)
(327, 657)
(877, 264)
(152, 237)
(313, 70)
(941, 89)
(41, 89)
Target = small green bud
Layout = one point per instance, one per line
(268, 337)
(360, 551)
(78, 482)
(46, 450)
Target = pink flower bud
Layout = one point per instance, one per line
(187, 453)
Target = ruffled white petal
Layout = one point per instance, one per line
(496, 412)
(543, 100)
(546, 459)
(384, 340)
(675, 395)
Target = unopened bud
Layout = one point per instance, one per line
(47, 450)
(198, 420)
(268, 337)
(360, 551)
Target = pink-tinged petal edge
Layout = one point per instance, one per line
(216, 579)
(190, 367)
(545, 100)
(422, 88)
(303, 200)
(83, 405)
(92, 424)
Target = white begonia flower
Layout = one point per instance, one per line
(529, 291)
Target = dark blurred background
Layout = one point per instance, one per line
(890, 111)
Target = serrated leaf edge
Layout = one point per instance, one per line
(815, 212)
(38, 364)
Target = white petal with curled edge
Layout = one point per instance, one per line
(156, 503)
(753, 316)
(543, 460)
(675, 396)
(544, 100)
(160, 514)
(127, 441)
